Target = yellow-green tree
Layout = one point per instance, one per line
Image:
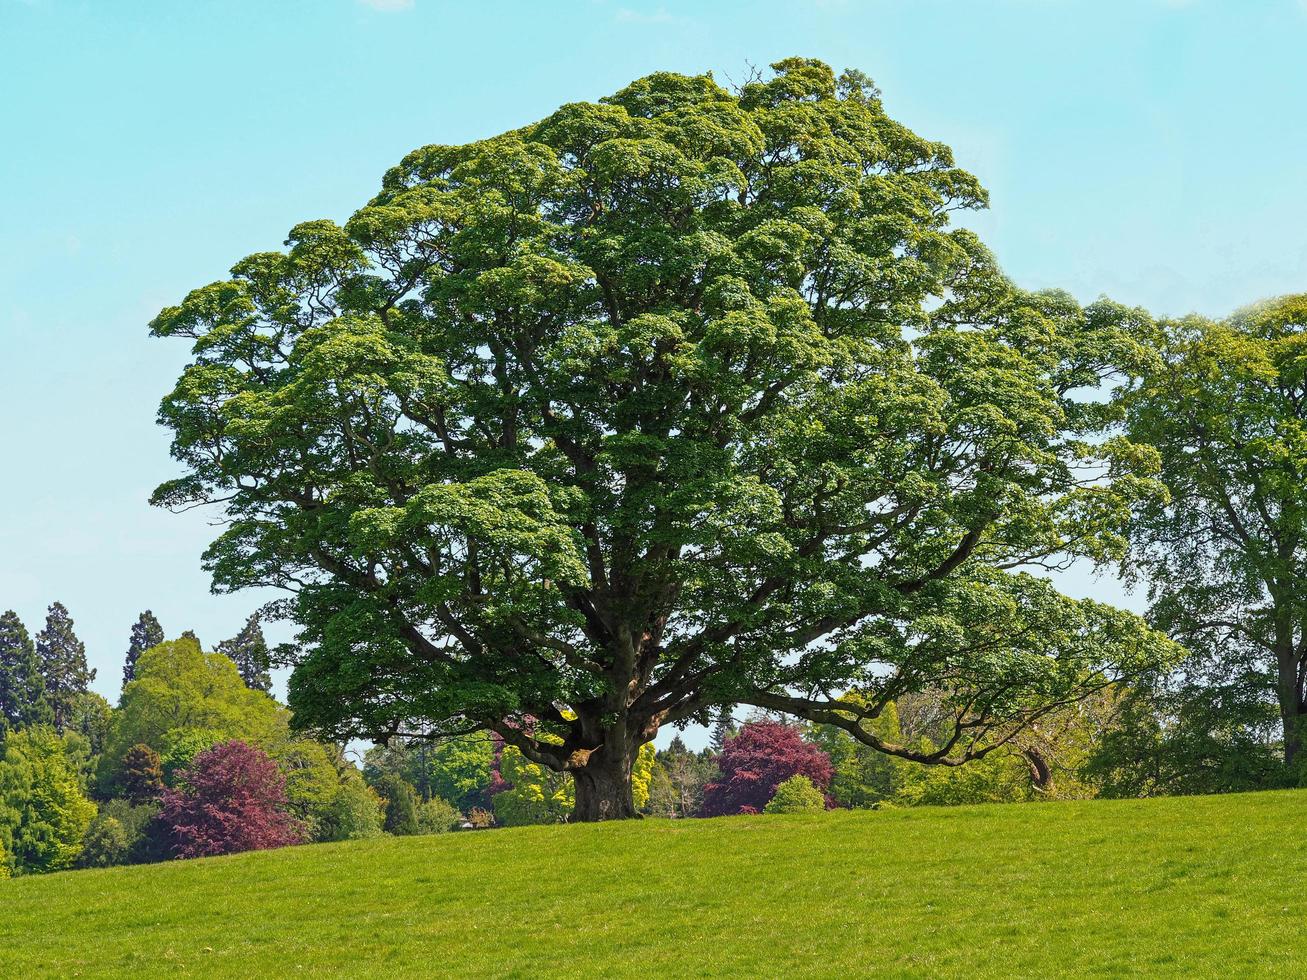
(43, 812)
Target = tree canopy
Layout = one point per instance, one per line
(681, 399)
(1225, 555)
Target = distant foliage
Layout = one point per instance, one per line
(43, 811)
(678, 779)
(123, 833)
(796, 795)
(22, 690)
(459, 770)
(534, 795)
(755, 762)
(61, 657)
(401, 806)
(354, 813)
(142, 774)
(232, 798)
(146, 633)
(248, 650)
(178, 688)
(436, 816)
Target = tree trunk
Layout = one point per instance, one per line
(1291, 716)
(603, 789)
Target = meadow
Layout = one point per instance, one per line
(1183, 885)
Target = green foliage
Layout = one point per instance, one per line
(677, 781)
(401, 804)
(106, 843)
(178, 748)
(326, 792)
(91, 717)
(354, 813)
(537, 794)
(1196, 887)
(179, 693)
(1224, 553)
(22, 691)
(248, 650)
(43, 812)
(141, 779)
(146, 633)
(796, 795)
(61, 658)
(122, 833)
(863, 777)
(455, 769)
(683, 398)
(436, 816)
(1001, 777)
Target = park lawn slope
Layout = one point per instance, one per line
(1194, 886)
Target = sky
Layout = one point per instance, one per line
(1144, 149)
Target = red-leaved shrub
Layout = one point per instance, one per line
(232, 798)
(757, 760)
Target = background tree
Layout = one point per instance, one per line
(682, 399)
(142, 774)
(355, 813)
(183, 698)
(401, 805)
(1225, 555)
(91, 717)
(756, 761)
(61, 657)
(248, 650)
(723, 728)
(232, 798)
(676, 788)
(43, 811)
(22, 691)
(145, 633)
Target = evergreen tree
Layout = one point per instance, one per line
(61, 657)
(248, 650)
(146, 633)
(190, 635)
(722, 729)
(142, 774)
(22, 692)
(401, 806)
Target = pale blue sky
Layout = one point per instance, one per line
(1147, 149)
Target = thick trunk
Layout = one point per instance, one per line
(603, 789)
(1291, 713)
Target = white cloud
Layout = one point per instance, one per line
(388, 5)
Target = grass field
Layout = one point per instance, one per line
(1195, 886)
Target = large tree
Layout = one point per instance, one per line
(22, 691)
(681, 399)
(61, 657)
(1226, 553)
(146, 633)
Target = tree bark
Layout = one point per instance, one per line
(1291, 716)
(603, 789)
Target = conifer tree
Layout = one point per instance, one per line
(722, 729)
(248, 649)
(22, 692)
(61, 657)
(146, 633)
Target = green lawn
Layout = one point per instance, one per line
(1195, 886)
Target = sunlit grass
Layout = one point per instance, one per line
(1195, 886)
